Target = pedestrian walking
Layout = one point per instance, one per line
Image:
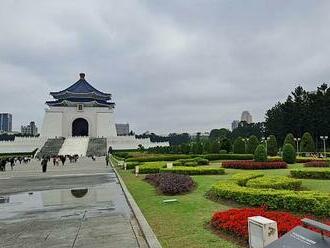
(107, 159)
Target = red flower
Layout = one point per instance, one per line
(236, 220)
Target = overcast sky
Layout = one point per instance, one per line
(171, 66)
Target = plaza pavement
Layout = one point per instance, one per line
(76, 205)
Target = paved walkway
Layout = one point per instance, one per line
(76, 205)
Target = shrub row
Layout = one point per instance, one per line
(252, 165)
(274, 182)
(191, 162)
(242, 178)
(298, 201)
(149, 168)
(317, 163)
(183, 156)
(321, 173)
(194, 170)
(131, 165)
(170, 183)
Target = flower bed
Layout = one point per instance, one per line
(235, 221)
(194, 170)
(297, 201)
(312, 173)
(317, 163)
(170, 183)
(252, 165)
(274, 182)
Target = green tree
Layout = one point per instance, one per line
(219, 133)
(252, 144)
(289, 139)
(307, 143)
(272, 147)
(215, 146)
(260, 154)
(225, 144)
(289, 154)
(206, 147)
(239, 146)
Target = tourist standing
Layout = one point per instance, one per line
(110, 150)
(44, 163)
(63, 160)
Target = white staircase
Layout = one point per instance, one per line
(74, 145)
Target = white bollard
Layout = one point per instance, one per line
(262, 231)
(137, 170)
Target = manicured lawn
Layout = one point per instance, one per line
(183, 224)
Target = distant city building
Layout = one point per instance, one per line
(30, 129)
(235, 124)
(122, 129)
(6, 122)
(247, 117)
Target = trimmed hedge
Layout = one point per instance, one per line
(194, 170)
(149, 168)
(297, 201)
(131, 165)
(252, 165)
(228, 156)
(274, 182)
(242, 178)
(183, 156)
(289, 154)
(191, 162)
(159, 158)
(260, 154)
(321, 173)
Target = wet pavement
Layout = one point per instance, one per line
(73, 210)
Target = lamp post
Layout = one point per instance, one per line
(264, 139)
(297, 141)
(324, 138)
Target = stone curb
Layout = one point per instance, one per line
(148, 233)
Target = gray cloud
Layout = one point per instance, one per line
(170, 65)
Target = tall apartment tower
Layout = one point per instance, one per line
(6, 122)
(246, 116)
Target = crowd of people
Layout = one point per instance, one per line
(56, 160)
(13, 161)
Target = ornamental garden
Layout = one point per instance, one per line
(191, 197)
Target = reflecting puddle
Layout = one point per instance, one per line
(62, 203)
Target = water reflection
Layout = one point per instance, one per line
(53, 199)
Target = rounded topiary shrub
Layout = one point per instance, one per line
(307, 143)
(252, 144)
(260, 154)
(272, 148)
(289, 154)
(171, 183)
(239, 146)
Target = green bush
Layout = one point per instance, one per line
(155, 158)
(202, 161)
(260, 155)
(274, 182)
(242, 178)
(239, 146)
(289, 154)
(212, 157)
(297, 201)
(191, 162)
(252, 144)
(194, 170)
(272, 148)
(223, 152)
(307, 143)
(148, 168)
(289, 139)
(131, 165)
(313, 173)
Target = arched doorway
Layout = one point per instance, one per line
(80, 127)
